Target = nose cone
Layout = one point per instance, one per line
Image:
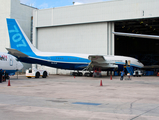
(142, 65)
(20, 66)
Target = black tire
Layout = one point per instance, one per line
(91, 74)
(85, 74)
(88, 75)
(80, 74)
(44, 74)
(37, 75)
(75, 74)
(28, 77)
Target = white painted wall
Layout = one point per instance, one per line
(98, 12)
(4, 13)
(74, 39)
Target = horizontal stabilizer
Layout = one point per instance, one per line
(16, 52)
(137, 35)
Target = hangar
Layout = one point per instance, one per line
(88, 28)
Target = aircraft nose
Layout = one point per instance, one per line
(142, 65)
(20, 66)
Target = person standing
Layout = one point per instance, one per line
(122, 75)
(5, 76)
(1, 75)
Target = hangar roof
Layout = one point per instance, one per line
(97, 12)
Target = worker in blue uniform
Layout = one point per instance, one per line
(122, 75)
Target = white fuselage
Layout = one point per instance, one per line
(9, 63)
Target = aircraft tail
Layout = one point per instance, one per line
(18, 39)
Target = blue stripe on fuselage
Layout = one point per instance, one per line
(62, 59)
(66, 62)
(62, 62)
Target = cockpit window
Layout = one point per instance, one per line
(3, 58)
(138, 61)
(16, 59)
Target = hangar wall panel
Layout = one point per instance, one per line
(45, 17)
(98, 12)
(86, 38)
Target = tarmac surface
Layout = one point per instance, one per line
(60, 97)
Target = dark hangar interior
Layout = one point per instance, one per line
(146, 50)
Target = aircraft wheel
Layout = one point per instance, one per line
(75, 74)
(37, 75)
(87, 74)
(28, 77)
(80, 74)
(91, 74)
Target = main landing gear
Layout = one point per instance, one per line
(88, 74)
(77, 73)
(95, 73)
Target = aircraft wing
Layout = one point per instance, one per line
(16, 53)
(137, 35)
(99, 61)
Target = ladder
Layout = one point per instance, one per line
(130, 70)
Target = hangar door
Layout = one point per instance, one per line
(82, 38)
(146, 50)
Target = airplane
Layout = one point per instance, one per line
(22, 48)
(9, 63)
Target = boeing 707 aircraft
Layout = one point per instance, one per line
(22, 48)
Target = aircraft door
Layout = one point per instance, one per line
(127, 62)
(11, 61)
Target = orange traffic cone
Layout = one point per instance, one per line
(74, 76)
(9, 83)
(101, 84)
(110, 77)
